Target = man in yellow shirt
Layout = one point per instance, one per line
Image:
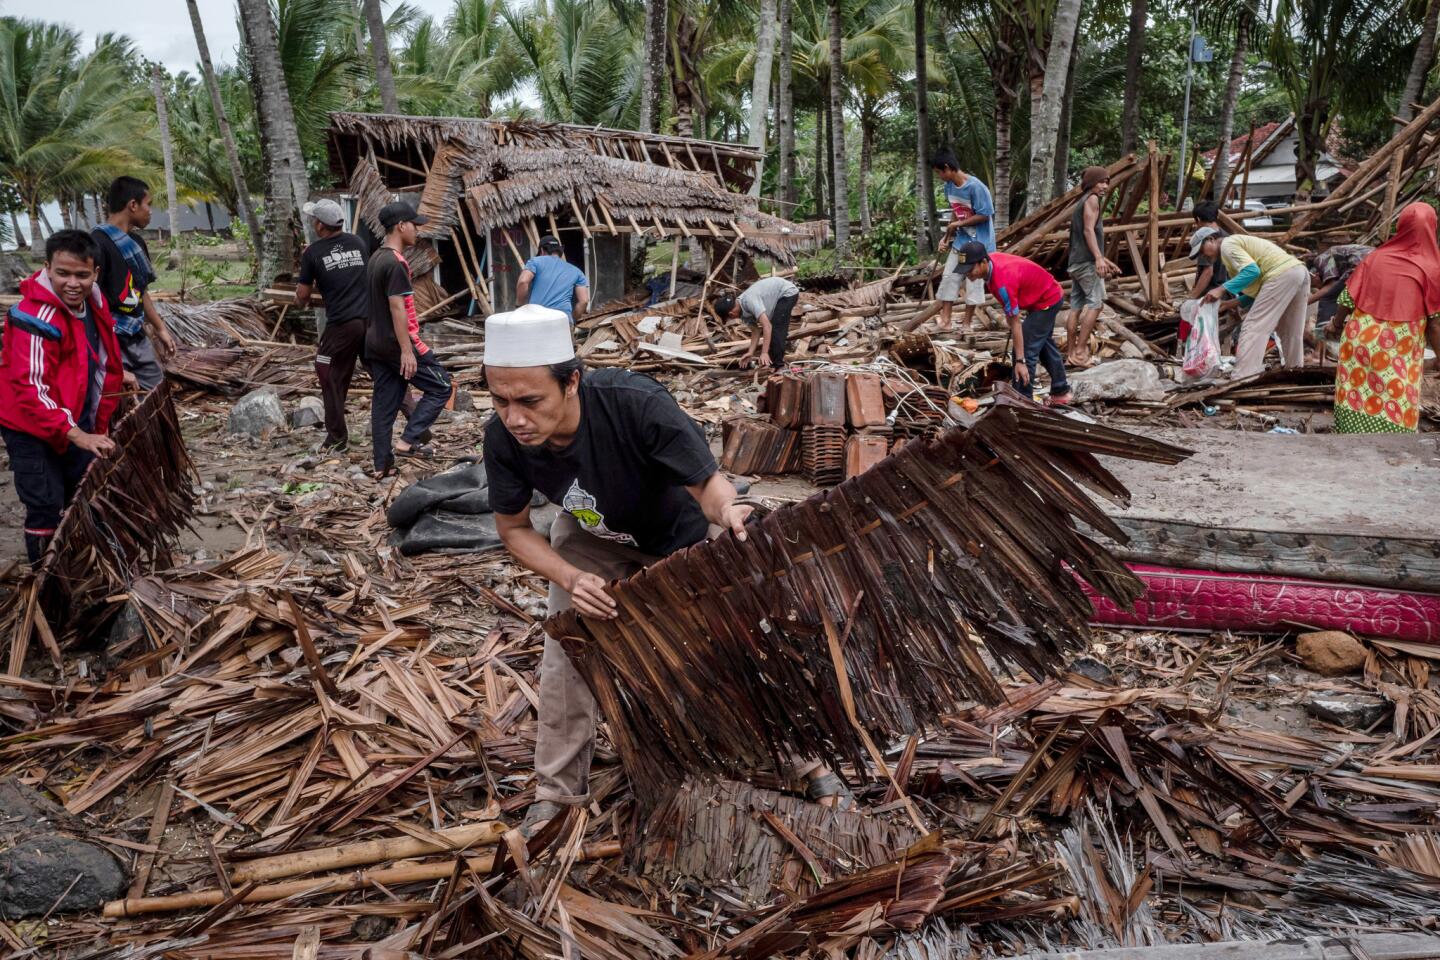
(1272, 283)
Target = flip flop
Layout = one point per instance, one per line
(830, 785)
(540, 813)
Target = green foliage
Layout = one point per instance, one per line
(68, 122)
(891, 239)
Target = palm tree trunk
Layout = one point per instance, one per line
(380, 53)
(1420, 66)
(760, 84)
(924, 178)
(15, 229)
(652, 80)
(785, 111)
(1134, 54)
(167, 154)
(1232, 97)
(37, 242)
(1309, 124)
(867, 146)
(1062, 142)
(830, 159)
(210, 215)
(820, 180)
(227, 136)
(65, 218)
(837, 124)
(1004, 114)
(1045, 124)
(286, 187)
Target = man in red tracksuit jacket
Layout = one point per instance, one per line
(60, 380)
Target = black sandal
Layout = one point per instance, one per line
(420, 451)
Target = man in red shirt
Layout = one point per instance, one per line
(1023, 286)
(60, 380)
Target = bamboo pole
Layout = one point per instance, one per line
(331, 883)
(1249, 159)
(1392, 187)
(579, 217)
(605, 212)
(366, 852)
(514, 250)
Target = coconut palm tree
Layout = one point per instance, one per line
(323, 71)
(582, 59)
(66, 121)
(1337, 57)
(286, 179)
(380, 53)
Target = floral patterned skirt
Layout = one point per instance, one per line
(1377, 383)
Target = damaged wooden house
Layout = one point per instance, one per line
(492, 188)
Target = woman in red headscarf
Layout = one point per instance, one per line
(1390, 305)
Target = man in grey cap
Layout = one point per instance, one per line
(335, 263)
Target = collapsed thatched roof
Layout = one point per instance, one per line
(512, 172)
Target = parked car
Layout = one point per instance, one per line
(1253, 223)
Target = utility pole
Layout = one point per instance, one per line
(1185, 124)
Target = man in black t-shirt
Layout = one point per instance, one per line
(335, 264)
(636, 481)
(125, 276)
(397, 357)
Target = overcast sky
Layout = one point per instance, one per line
(160, 28)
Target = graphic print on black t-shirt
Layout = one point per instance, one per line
(336, 266)
(624, 475)
(583, 507)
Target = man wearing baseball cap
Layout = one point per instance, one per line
(335, 263)
(1022, 286)
(397, 357)
(636, 481)
(1271, 283)
(548, 280)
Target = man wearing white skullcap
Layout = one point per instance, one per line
(636, 481)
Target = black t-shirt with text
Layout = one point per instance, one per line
(624, 475)
(335, 265)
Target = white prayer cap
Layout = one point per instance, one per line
(528, 336)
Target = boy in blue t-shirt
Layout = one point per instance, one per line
(550, 281)
(972, 218)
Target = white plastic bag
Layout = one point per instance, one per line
(1202, 347)
(974, 292)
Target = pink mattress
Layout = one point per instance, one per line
(1177, 599)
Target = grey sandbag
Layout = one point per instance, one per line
(463, 489)
(448, 530)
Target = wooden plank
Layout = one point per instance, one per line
(159, 819)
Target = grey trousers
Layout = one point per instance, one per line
(565, 738)
(137, 354)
